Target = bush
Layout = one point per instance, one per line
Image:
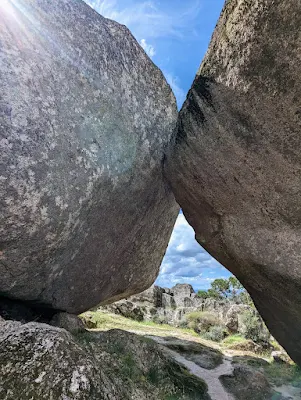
(233, 339)
(253, 327)
(201, 322)
(215, 333)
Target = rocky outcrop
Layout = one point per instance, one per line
(232, 319)
(85, 119)
(38, 361)
(235, 165)
(171, 306)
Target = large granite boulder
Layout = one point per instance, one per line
(38, 361)
(235, 166)
(85, 119)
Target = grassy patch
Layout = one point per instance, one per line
(283, 374)
(233, 339)
(106, 321)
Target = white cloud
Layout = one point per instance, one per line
(186, 261)
(148, 48)
(145, 19)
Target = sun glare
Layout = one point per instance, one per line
(7, 7)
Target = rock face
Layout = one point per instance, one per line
(170, 306)
(235, 166)
(85, 119)
(38, 361)
(232, 321)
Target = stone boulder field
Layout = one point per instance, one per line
(85, 119)
(236, 162)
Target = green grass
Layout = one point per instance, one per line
(233, 339)
(106, 321)
(283, 374)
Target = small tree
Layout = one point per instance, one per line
(221, 286)
(254, 328)
(203, 294)
(235, 287)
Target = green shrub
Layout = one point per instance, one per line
(201, 322)
(233, 339)
(215, 333)
(253, 328)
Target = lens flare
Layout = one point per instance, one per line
(6, 7)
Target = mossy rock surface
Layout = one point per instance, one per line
(246, 383)
(203, 356)
(38, 362)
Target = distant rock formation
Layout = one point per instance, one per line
(171, 305)
(85, 119)
(236, 163)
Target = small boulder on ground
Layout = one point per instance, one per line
(88, 320)
(281, 357)
(204, 356)
(70, 322)
(245, 383)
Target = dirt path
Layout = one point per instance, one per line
(215, 388)
(289, 392)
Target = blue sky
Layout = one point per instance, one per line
(175, 34)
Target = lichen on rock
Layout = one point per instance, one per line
(38, 361)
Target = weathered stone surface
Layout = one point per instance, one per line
(280, 357)
(168, 301)
(85, 119)
(247, 384)
(235, 167)
(200, 354)
(232, 316)
(88, 320)
(38, 361)
(182, 290)
(150, 297)
(70, 322)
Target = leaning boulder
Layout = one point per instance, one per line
(235, 166)
(85, 119)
